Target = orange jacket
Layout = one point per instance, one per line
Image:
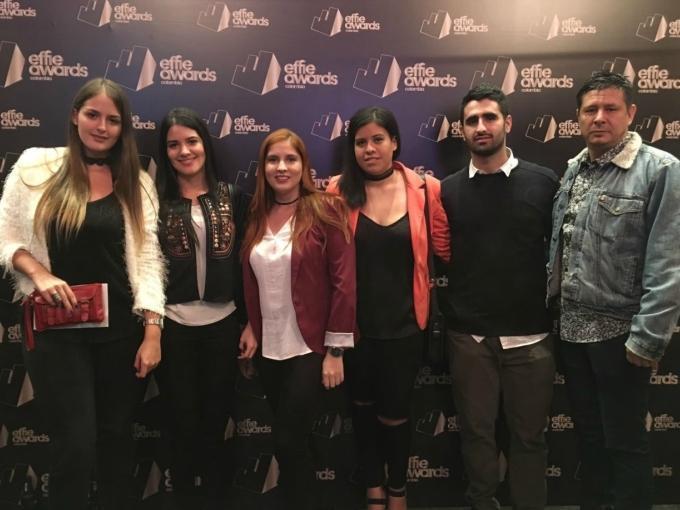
(439, 229)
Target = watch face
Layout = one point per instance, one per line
(336, 351)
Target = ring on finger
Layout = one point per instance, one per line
(56, 297)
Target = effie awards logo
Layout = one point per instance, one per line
(99, 13)
(259, 75)
(536, 78)
(300, 73)
(10, 9)
(440, 24)
(420, 76)
(380, 77)
(331, 21)
(13, 119)
(177, 69)
(650, 128)
(134, 69)
(217, 17)
(45, 66)
(543, 129)
(548, 27)
(654, 78)
(620, 65)
(329, 127)
(501, 73)
(656, 27)
(221, 124)
(328, 23)
(438, 128)
(11, 63)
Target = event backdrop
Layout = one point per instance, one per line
(249, 67)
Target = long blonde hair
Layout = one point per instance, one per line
(313, 208)
(64, 200)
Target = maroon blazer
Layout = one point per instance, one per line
(323, 280)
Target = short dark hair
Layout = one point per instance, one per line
(166, 177)
(485, 91)
(351, 183)
(604, 80)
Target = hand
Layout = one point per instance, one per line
(332, 371)
(54, 290)
(639, 361)
(149, 353)
(248, 344)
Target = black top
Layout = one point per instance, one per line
(500, 229)
(385, 279)
(96, 254)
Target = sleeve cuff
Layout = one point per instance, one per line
(333, 339)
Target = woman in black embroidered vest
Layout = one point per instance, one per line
(201, 227)
(83, 214)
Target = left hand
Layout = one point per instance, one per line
(332, 371)
(639, 361)
(149, 353)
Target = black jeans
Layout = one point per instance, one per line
(294, 389)
(609, 399)
(483, 374)
(196, 379)
(87, 393)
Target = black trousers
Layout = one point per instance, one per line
(610, 401)
(196, 379)
(294, 389)
(87, 393)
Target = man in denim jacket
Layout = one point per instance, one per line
(615, 264)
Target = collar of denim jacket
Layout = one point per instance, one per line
(623, 159)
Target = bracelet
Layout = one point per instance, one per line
(154, 321)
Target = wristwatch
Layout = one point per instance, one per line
(155, 321)
(336, 352)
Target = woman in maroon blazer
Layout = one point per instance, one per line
(299, 286)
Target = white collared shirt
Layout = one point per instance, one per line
(271, 263)
(506, 168)
(508, 342)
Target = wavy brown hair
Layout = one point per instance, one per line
(64, 200)
(314, 207)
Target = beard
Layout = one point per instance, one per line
(490, 150)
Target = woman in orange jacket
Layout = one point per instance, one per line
(387, 217)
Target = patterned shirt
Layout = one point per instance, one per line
(578, 324)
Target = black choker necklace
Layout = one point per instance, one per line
(97, 161)
(379, 177)
(287, 203)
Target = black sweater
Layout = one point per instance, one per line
(500, 230)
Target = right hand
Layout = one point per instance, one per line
(54, 290)
(247, 344)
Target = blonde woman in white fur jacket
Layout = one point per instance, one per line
(81, 214)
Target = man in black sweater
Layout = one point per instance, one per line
(500, 350)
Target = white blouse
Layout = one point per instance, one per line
(271, 263)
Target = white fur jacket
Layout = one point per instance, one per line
(23, 189)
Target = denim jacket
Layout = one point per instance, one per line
(625, 251)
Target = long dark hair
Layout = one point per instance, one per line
(352, 180)
(166, 177)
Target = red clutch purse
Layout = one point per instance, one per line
(40, 315)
